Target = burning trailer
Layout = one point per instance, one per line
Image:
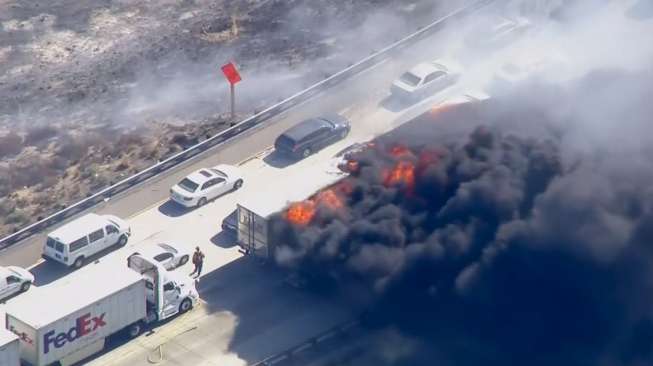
(264, 222)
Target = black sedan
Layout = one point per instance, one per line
(312, 135)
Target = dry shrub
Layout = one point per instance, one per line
(42, 200)
(71, 149)
(29, 170)
(10, 144)
(7, 206)
(5, 181)
(48, 182)
(183, 140)
(123, 165)
(39, 134)
(17, 217)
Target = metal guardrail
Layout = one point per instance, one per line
(338, 330)
(239, 128)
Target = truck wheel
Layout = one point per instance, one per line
(185, 306)
(79, 262)
(122, 241)
(135, 330)
(201, 202)
(25, 286)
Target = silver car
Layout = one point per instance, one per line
(426, 78)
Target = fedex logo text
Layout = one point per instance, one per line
(83, 326)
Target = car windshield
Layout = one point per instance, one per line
(188, 185)
(168, 248)
(285, 141)
(410, 79)
(219, 172)
(161, 257)
(114, 223)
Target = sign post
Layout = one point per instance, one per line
(231, 73)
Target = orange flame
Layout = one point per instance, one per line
(329, 198)
(399, 151)
(352, 166)
(402, 173)
(301, 213)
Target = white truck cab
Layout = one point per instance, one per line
(14, 280)
(73, 243)
(179, 293)
(167, 293)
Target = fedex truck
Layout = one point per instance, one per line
(9, 353)
(69, 320)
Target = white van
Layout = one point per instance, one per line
(74, 242)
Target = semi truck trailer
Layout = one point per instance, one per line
(70, 319)
(9, 353)
(253, 231)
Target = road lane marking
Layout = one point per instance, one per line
(255, 156)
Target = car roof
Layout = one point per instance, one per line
(306, 127)
(422, 69)
(79, 227)
(201, 175)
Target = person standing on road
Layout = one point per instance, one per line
(198, 261)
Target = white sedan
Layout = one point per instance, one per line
(14, 280)
(426, 78)
(170, 256)
(204, 185)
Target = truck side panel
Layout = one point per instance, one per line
(10, 353)
(27, 336)
(85, 326)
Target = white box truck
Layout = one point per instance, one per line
(9, 352)
(68, 320)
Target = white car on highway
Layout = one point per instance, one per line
(169, 255)
(203, 185)
(14, 280)
(426, 78)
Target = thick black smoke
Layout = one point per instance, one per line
(508, 249)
